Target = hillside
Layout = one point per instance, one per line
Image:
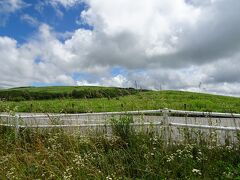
(100, 99)
(63, 92)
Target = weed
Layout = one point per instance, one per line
(55, 154)
(121, 127)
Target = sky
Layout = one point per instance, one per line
(191, 45)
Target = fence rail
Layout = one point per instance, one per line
(168, 111)
(166, 118)
(205, 114)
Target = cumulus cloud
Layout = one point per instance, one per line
(164, 33)
(12, 73)
(147, 27)
(188, 42)
(215, 36)
(24, 64)
(165, 44)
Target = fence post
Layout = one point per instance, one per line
(16, 126)
(166, 130)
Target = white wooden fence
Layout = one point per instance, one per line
(170, 120)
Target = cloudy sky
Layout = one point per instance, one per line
(189, 45)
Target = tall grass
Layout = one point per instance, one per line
(127, 154)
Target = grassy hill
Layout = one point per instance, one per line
(100, 99)
(63, 92)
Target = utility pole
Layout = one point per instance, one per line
(160, 86)
(136, 85)
(200, 86)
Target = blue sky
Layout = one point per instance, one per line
(173, 44)
(19, 29)
(62, 20)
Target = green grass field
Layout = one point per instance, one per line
(122, 102)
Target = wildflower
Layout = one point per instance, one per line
(78, 160)
(3, 159)
(67, 174)
(11, 173)
(197, 172)
(199, 153)
(170, 158)
(228, 175)
(198, 159)
(145, 156)
(179, 151)
(108, 178)
(51, 175)
(229, 148)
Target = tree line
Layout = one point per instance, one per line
(21, 95)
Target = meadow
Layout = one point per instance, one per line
(119, 101)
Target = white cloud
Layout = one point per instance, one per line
(64, 3)
(154, 25)
(115, 81)
(29, 19)
(86, 83)
(57, 5)
(13, 73)
(164, 44)
(9, 6)
(18, 62)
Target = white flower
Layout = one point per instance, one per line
(170, 158)
(197, 171)
(108, 178)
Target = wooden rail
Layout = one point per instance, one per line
(164, 113)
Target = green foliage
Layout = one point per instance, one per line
(55, 154)
(61, 92)
(121, 127)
